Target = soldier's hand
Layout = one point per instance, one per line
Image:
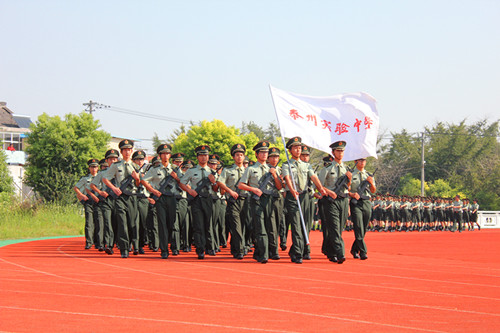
(257, 192)
(272, 171)
(174, 175)
(103, 194)
(349, 175)
(135, 175)
(331, 194)
(370, 180)
(156, 193)
(323, 191)
(151, 201)
(354, 195)
(294, 193)
(117, 191)
(234, 194)
(84, 197)
(192, 193)
(211, 178)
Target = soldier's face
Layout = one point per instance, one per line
(178, 163)
(164, 157)
(338, 154)
(305, 158)
(273, 160)
(111, 160)
(126, 153)
(93, 170)
(238, 158)
(295, 151)
(202, 159)
(261, 156)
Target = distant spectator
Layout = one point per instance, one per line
(11, 147)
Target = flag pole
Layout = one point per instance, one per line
(306, 236)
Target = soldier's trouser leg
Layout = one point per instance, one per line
(152, 224)
(360, 216)
(308, 214)
(261, 215)
(89, 223)
(233, 216)
(293, 217)
(336, 216)
(222, 223)
(173, 224)
(98, 226)
(163, 230)
(182, 210)
(126, 210)
(324, 230)
(247, 222)
(214, 234)
(108, 207)
(201, 212)
(142, 215)
(272, 229)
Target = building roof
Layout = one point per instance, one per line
(22, 121)
(6, 118)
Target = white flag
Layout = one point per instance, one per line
(320, 121)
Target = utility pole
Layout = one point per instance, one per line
(89, 106)
(422, 175)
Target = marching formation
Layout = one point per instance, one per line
(172, 205)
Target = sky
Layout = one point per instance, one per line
(423, 61)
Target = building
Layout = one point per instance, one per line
(13, 133)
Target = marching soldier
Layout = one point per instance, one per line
(187, 225)
(361, 207)
(80, 189)
(337, 206)
(152, 220)
(308, 207)
(161, 182)
(197, 182)
(301, 173)
(276, 206)
(182, 205)
(256, 179)
(127, 179)
(107, 202)
(236, 198)
(142, 200)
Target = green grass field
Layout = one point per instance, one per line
(18, 221)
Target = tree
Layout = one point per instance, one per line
(218, 136)
(58, 151)
(6, 181)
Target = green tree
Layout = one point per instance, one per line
(6, 181)
(218, 136)
(58, 151)
(411, 186)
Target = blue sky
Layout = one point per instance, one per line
(424, 61)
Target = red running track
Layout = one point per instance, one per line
(428, 282)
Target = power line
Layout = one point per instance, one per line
(139, 113)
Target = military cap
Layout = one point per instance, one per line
(238, 148)
(338, 145)
(202, 150)
(296, 140)
(274, 151)
(187, 164)
(178, 157)
(103, 162)
(93, 162)
(305, 150)
(155, 160)
(112, 153)
(213, 159)
(261, 146)
(164, 148)
(126, 144)
(138, 155)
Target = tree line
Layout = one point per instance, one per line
(459, 158)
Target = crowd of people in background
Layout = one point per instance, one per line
(172, 205)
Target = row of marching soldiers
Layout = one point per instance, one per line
(131, 204)
(416, 213)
